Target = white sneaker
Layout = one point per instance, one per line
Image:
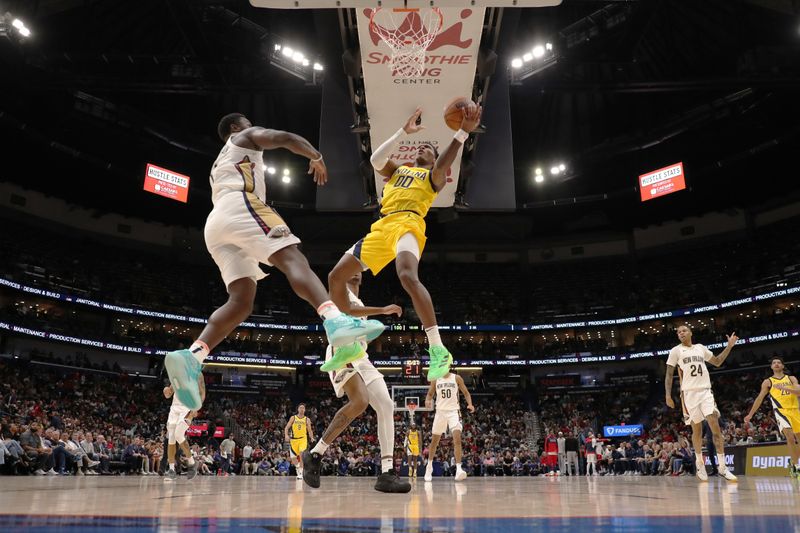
(80, 473)
(428, 474)
(727, 474)
(460, 475)
(299, 474)
(51, 472)
(702, 475)
(93, 463)
(40, 472)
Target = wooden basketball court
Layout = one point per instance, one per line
(350, 504)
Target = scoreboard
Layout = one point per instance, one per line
(412, 369)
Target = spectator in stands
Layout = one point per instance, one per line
(40, 456)
(133, 457)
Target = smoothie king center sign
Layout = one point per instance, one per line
(448, 72)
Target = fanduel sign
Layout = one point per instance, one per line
(449, 71)
(622, 431)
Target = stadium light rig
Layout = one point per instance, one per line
(296, 63)
(13, 28)
(539, 58)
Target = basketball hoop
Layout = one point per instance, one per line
(408, 32)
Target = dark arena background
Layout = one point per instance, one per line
(634, 171)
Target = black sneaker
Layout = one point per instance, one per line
(311, 467)
(390, 482)
(191, 470)
(170, 475)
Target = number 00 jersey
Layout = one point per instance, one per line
(692, 363)
(447, 393)
(409, 189)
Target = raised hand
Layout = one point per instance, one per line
(472, 117)
(732, 338)
(411, 125)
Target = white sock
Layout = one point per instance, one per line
(320, 448)
(433, 336)
(387, 463)
(721, 461)
(200, 350)
(172, 466)
(458, 467)
(328, 310)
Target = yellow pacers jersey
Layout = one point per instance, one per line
(413, 442)
(409, 189)
(299, 428)
(782, 399)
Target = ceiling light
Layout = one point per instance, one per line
(18, 24)
(516, 62)
(317, 66)
(277, 47)
(539, 178)
(297, 57)
(548, 46)
(285, 171)
(305, 62)
(270, 170)
(538, 51)
(527, 57)
(25, 32)
(538, 171)
(562, 167)
(555, 170)
(286, 179)
(288, 52)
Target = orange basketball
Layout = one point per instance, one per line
(453, 111)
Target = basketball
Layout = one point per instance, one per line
(453, 114)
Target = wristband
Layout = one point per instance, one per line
(317, 160)
(461, 136)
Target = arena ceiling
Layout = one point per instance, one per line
(102, 87)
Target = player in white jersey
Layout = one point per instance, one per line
(243, 231)
(698, 399)
(363, 385)
(447, 416)
(180, 417)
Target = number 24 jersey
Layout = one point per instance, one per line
(692, 363)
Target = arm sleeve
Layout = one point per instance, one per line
(381, 155)
(672, 360)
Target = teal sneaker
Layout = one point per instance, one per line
(344, 330)
(342, 356)
(183, 370)
(441, 359)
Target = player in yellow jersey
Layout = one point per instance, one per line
(412, 449)
(782, 391)
(399, 235)
(301, 430)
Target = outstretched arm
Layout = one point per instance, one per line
(470, 121)
(380, 156)
(765, 386)
(273, 139)
(463, 388)
(357, 311)
(717, 360)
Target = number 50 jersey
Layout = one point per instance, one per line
(447, 393)
(692, 363)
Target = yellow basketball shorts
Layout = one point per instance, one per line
(413, 450)
(379, 247)
(788, 419)
(298, 446)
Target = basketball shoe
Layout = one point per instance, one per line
(312, 463)
(170, 475)
(390, 482)
(342, 356)
(345, 329)
(441, 359)
(183, 370)
(191, 470)
(460, 474)
(429, 472)
(702, 475)
(727, 474)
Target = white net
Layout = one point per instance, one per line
(409, 33)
